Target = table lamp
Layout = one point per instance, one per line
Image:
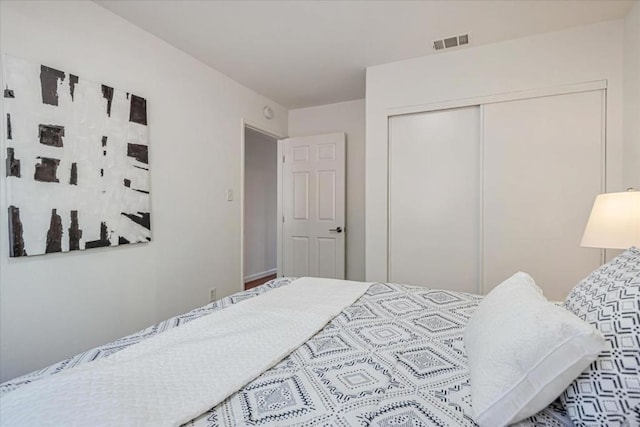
(614, 221)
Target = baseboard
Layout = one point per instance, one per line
(260, 275)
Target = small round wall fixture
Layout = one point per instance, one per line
(268, 112)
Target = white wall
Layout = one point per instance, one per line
(348, 117)
(577, 55)
(260, 204)
(632, 97)
(54, 306)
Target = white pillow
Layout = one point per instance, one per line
(523, 351)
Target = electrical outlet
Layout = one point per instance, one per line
(212, 295)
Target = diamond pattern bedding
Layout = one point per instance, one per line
(608, 392)
(394, 358)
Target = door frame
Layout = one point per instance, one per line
(244, 123)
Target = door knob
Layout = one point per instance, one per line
(337, 229)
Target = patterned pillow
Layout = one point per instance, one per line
(609, 298)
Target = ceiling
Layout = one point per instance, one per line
(305, 53)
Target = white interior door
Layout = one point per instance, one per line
(434, 174)
(543, 166)
(313, 206)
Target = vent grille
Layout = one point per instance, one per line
(451, 42)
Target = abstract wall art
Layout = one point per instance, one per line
(77, 163)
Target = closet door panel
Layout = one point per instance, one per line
(434, 171)
(542, 170)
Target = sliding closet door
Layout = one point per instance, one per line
(543, 162)
(434, 172)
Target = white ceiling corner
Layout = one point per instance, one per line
(306, 53)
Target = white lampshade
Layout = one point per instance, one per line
(614, 221)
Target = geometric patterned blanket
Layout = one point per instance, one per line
(395, 357)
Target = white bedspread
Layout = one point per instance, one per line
(175, 376)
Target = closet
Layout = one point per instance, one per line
(480, 192)
(434, 172)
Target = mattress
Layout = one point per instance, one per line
(395, 357)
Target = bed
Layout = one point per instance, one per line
(395, 357)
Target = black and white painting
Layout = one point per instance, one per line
(77, 161)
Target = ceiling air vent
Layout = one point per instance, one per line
(450, 42)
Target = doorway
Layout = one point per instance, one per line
(260, 246)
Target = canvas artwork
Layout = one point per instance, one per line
(77, 161)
